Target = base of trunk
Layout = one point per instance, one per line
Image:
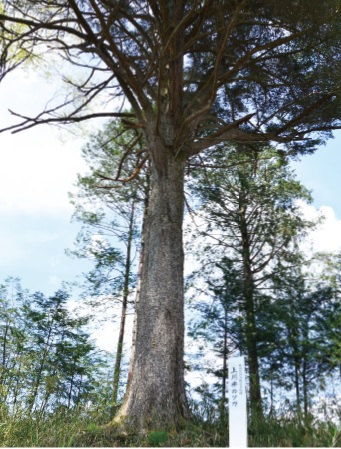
(143, 420)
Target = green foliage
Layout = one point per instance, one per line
(254, 291)
(48, 362)
(157, 438)
(306, 313)
(279, 61)
(84, 423)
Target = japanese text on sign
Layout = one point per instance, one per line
(237, 403)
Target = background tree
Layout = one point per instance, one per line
(55, 339)
(49, 359)
(195, 74)
(112, 222)
(248, 221)
(306, 313)
(219, 323)
(13, 340)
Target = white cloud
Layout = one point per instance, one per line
(37, 166)
(36, 172)
(327, 236)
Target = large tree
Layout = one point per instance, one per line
(195, 74)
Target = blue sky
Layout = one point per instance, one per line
(321, 173)
(38, 168)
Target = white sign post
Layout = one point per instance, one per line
(237, 402)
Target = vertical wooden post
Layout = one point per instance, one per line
(237, 403)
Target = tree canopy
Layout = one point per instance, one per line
(226, 70)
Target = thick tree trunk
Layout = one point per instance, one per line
(155, 397)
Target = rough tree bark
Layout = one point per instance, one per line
(158, 354)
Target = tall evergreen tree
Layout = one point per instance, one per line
(249, 221)
(195, 74)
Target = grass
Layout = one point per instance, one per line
(78, 429)
(293, 432)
